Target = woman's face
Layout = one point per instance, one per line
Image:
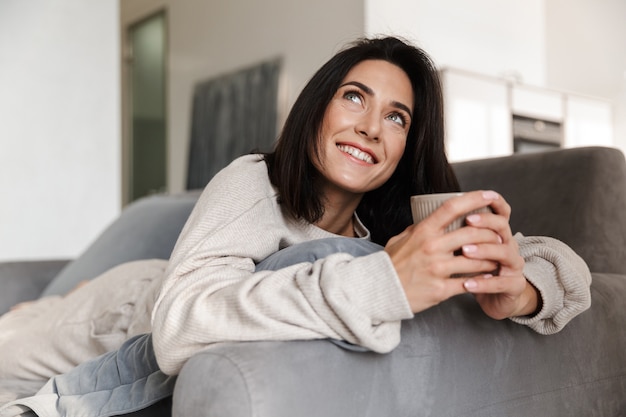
(364, 130)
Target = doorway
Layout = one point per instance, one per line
(145, 146)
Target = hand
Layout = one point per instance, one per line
(508, 294)
(423, 255)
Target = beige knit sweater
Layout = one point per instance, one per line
(211, 293)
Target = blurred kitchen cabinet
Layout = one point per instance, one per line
(477, 114)
(588, 122)
(489, 116)
(538, 103)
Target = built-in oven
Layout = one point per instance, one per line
(536, 135)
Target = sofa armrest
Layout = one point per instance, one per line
(25, 280)
(453, 360)
(575, 195)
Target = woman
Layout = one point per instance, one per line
(315, 239)
(365, 134)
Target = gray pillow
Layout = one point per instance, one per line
(147, 229)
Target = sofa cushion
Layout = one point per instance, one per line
(146, 229)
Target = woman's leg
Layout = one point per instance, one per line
(317, 249)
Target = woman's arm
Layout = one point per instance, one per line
(529, 274)
(562, 279)
(541, 282)
(212, 293)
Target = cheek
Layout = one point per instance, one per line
(396, 150)
(326, 130)
(337, 118)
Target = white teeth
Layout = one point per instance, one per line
(356, 153)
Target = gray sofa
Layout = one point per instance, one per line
(453, 360)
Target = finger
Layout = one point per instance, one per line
(499, 224)
(426, 295)
(500, 206)
(487, 284)
(453, 287)
(459, 206)
(455, 240)
(464, 267)
(506, 255)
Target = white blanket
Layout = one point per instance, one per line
(52, 335)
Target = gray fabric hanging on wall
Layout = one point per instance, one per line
(232, 115)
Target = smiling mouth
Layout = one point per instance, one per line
(357, 153)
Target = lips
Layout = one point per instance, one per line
(357, 153)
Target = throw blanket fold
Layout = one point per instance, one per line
(126, 380)
(52, 335)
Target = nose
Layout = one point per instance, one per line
(369, 126)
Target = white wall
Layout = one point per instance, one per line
(586, 52)
(60, 161)
(59, 125)
(491, 37)
(575, 46)
(60, 111)
(208, 38)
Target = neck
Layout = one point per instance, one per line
(338, 216)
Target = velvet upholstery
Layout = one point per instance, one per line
(453, 360)
(575, 195)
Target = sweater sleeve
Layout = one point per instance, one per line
(562, 279)
(212, 293)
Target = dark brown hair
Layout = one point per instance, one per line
(422, 169)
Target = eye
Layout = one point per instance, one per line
(398, 118)
(353, 96)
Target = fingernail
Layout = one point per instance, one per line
(500, 239)
(487, 276)
(470, 284)
(490, 195)
(470, 248)
(473, 218)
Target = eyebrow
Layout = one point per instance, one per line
(370, 92)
